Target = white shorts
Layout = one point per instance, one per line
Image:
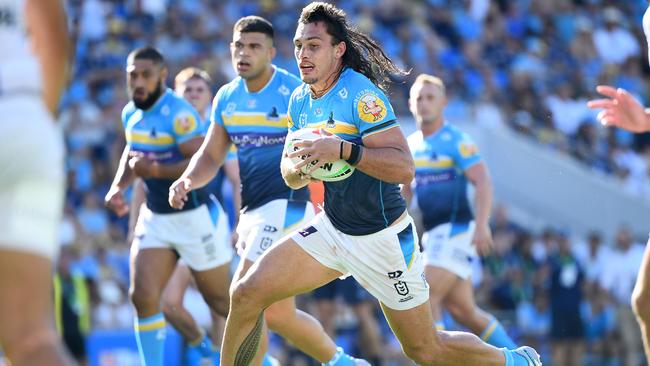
(259, 228)
(389, 263)
(200, 236)
(32, 177)
(450, 247)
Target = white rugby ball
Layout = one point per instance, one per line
(330, 172)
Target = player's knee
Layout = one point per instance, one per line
(171, 307)
(420, 353)
(246, 294)
(276, 317)
(219, 304)
(143, 299)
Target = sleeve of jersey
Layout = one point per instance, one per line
(186, 125)
(373, 112)
(466, 152)
(291, 113)
(217, 108)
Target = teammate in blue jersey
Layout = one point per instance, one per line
(365, 229)
(193, 84)
(251, 113)
(34, 49)
(162, 132)
(446, 160)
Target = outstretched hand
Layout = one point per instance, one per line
(620, 109)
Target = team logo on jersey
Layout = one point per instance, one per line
(251, 103)
(371, 108)
(230, 109)
(284, 90)
(318, 112)
(184, 123)
(330, 121)
(273, 115)
(467, 149)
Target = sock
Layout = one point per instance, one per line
(341, 359)
(269, 361)
(514, 359)
(203, 346)
(150, 336)
(496, 335)
(440, 325)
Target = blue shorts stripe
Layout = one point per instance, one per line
(213, 209)
(458, 228)
(294, 214)
(407, 244)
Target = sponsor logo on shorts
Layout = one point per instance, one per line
(396, 274)
(405, 299)
(206, 238)
(265, 243)
(210, 250)
(402, 288)
(307, 231)
(270, 229)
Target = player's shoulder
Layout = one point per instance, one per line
(356, 82)
(285, 77)
(455, 132)
(415, 137)
(128, 111)
(229, 89)
(301, 92)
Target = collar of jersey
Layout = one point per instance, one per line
(345, 71)
(437, 133)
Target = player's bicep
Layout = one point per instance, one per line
(392, 137)
(190, 147)
(477, 173)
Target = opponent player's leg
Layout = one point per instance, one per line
(150, 271)
(27, 331)
(641, 300)
(364, 305)
(284, 271)
(172, 304)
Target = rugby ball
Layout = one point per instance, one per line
(330, 172)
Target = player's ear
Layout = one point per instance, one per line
(339, 49)
(164, 72)
(272, 53)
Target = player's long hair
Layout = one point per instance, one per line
(362, 54)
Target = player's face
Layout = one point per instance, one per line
(317, 58)
(196, 91)
(251, 53)
(145, 82)
(426, 102)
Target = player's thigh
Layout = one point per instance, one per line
(441, 283)
(26, 295)
(460, 300)
(412, 327)
(177, 285)
(214, 286)
(283, 271)
(150, 271)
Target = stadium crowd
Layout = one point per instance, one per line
(529, 65)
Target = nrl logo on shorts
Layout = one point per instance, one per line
(401, 288)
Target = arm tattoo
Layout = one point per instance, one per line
(251, 343)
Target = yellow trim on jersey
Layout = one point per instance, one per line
(486, 335)
(415, 250)
(155, 325)
(143, 137)
(441, 163)
(339, 127)
(258, 119)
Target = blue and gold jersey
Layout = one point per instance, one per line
(257, 126)
(354, 108)
(157, 132)
(440, 184)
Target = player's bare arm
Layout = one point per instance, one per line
(385, 156)
(203, 165)
(146, 168)
(291, 173)
(479, 176)
(124, 176)
(48, 28)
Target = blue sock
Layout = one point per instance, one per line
(268, 361)
(496, 335)
(150, 336)
(514, 359)
(341, 359)
(204, 347)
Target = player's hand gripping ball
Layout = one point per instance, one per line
(329, 172)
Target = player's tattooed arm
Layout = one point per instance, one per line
(251, 343)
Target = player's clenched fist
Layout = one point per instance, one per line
(178, 192)
(115, 201)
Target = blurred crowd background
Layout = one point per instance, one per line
(526, 65)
